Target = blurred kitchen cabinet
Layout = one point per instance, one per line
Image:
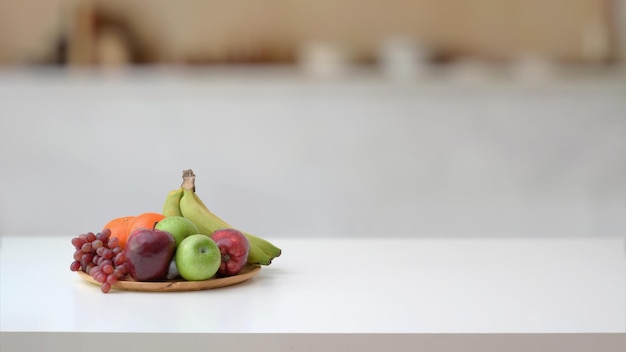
(261, 31)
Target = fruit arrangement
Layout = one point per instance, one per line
(185, 242)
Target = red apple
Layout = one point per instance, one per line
(149, 253)
(234, 247)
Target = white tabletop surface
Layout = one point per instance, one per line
(334, 295)
(423, 286)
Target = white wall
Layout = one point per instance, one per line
(282, 157)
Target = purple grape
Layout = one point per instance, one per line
(94, 270)
(114, 242)
(86, 247)
(100, 277)
(123, 268)
(120, 258)
(100, 251)
(89, 266)
(87, 258)
(78, 254)
(77, 242)
(91, 237)
(107, 269)
(119, 273)
(108, 254)
(97, 244)
(104, 235)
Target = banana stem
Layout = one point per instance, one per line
(189, 180)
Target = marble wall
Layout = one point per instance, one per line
(283, 157)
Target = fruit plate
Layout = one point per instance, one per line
(180, 285)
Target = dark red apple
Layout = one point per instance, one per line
(149, 253)
(234, 247)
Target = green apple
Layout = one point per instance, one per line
(178, 226)
(198, 257)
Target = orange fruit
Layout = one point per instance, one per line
(144, 221)
(119, 228)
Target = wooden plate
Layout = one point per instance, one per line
(180, 285)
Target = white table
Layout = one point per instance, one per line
(334, 294)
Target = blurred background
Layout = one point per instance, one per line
(412, 118)
(190, 32)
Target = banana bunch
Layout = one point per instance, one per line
(186, 203)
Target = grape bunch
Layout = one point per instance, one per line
(100, 256)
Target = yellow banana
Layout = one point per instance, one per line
(266, 246)
(191, 206)
(199, 214)
(257, 256)
(171, 207)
